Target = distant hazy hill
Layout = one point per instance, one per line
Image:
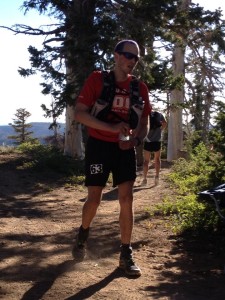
(40, 131)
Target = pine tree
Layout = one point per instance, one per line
(21, 127)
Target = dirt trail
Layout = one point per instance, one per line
(39, 216)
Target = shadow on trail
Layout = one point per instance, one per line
(112, 194)
(140, 187)
(197, 274)
(89, 291)
(39, 289)
(16, 179)
(27, 253)
(13, 207)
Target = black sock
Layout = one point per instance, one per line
(83, 230)
(83, 233)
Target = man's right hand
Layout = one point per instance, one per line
(121, 128)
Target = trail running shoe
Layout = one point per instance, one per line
(79, 250)
(128, 265)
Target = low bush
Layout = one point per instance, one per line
(186, 210)
(45, 156)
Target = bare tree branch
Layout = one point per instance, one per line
(28, 30)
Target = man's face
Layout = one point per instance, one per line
(127, 59)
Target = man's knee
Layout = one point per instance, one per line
(126, 200)
(92, 201)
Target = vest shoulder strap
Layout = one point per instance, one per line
(109, 86)
(134, 91)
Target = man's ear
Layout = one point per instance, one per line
(116, 56)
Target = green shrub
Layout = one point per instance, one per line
(46, 156)
(187, 213)
(188, 178)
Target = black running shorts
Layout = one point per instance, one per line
(152, 146)
(102, 157)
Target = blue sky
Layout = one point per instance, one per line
(17, 92)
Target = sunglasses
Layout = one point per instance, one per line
(129, 55)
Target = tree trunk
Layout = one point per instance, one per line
(73, 136)
(79, 63)
(175, 133)
(175, 130)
